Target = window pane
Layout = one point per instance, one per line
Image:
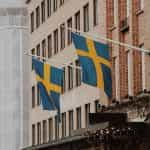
(33, 97)
(37, 17)
(56, 41)
(95, 12)
(63, 124)
(70, 122)
(33, 134)
(32, 21)
(70, 77)
(62, 36)
(78, 74)
(69, 25)
(87, 111)
(63, 81)
(43, 10)
(44, 131)
(56, 127)
(78, 110)
(55, 5)
(49, 11)
(86, 18)
(38, 133)
(49, 46)
(77, 20)
(50, 129)
(44, 48)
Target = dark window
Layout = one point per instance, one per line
(55, 5)
(56, 41)
(95, 12)
(32, 21)
(49, 46)
(70, 122)
(44, 131)
(33, 53)
(38, 96)
(70, 77)
(96, 105)
(63, 124)
(33, 134)
(37, 16)
(49, 8)
(33, 96)
(78, 111)
(61, 2)
(87, 111)
(56, 127)
(63, 81)
(50, 129)
(44, 48)
(78, 74)
(86, 18)
(38, 50)
(62, 36)
(38, 133)
(77, 21)
(43, 11)
(69, 25)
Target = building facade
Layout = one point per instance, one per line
(14, 76)
(120, 20)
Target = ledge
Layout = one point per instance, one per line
(140, 11)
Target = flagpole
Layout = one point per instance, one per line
(46, 59)
(98, 37)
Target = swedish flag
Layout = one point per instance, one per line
(95, 62)
(49, 81)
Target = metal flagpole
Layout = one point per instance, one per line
(98, 37)
(46, 59)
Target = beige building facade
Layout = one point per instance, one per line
(45, 40)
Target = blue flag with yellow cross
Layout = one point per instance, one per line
(95, 62)
(49, 81)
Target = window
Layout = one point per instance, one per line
(69, 25)
(49, 46)
(62, 36)
(33, 53)
(86, 18)
(77, 21)
(96, 105)
(38, 96)
(70, 77)
(37, 16)
(63, 124)
(44, 48)
(78, 110)
(33, 134)
(63, 81)
(50, 129)
(70, 122)
(32, 21)
(43, 11)
(44, 131)
(95, 12)
(38, 133)
(78, 74)
(61, 2)
(87, 111)
(33, 96)
(56, 127)
(55, 5)
(38, 49)
(49, 9)
(56, 41)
